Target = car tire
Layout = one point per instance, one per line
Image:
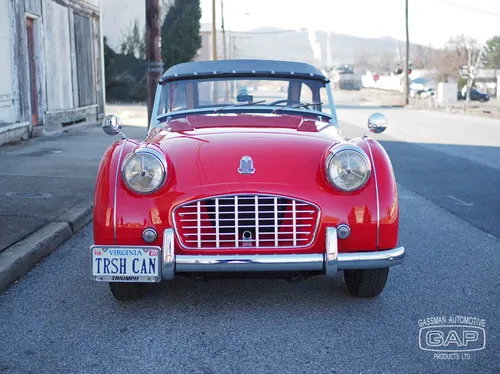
(125, 291)
(366, 282)
(482, 99)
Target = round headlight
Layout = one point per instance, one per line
(348, 169)
(144, 171)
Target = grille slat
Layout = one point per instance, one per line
(248, 221)
(303, 211)
(227, 219)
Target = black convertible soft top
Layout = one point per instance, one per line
(243, 68)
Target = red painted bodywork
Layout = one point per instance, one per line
(289, 153)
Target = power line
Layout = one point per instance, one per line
(470, 8)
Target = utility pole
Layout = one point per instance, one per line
(407, 85)
(154, 63)
(223, 30)
(214, 33)
(226, 90)
(328, 52)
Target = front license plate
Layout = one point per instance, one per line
(126, 264)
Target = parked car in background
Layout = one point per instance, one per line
(427, 92)
(475, 95)
(255, 185)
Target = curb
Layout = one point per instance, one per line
(17, 260)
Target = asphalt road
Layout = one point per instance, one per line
(57, 321)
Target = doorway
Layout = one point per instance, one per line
(30, 31)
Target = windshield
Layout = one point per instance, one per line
(260, 93)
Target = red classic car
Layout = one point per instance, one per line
(237, 177)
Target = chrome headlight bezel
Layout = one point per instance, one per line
(340, 150)
(157, 157)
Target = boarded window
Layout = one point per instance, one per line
(84, 61)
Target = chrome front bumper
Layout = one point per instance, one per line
(329, 262)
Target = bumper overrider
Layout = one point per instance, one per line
(329, 262)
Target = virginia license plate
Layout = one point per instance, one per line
(126, 264)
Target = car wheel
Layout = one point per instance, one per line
(126, 291)
(366, 282)
(482, 100)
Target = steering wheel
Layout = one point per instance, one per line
(284, 101)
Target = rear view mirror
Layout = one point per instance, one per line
(244, 98)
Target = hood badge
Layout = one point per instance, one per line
(246, 165)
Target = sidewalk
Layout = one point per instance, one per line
(46, 193)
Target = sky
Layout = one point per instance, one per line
(431, 22)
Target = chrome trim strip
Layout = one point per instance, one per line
(156, 104)
(294, 262)
(228, 196)
(168, 269)
(216, 223)
(236, 219)
(371, 260)
(256, 202)
(333, 111)
(376, 189)
(294, 224)
(331, 252)
(198, 222)
(276, 241)
(118, 168)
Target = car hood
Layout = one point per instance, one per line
(215, 155)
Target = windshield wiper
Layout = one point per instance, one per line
(297, 105)
(240, 104)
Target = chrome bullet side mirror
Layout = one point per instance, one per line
(112, 125)
(377, 123)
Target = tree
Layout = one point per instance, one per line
(386, 62)
(125, 76)
(164, 7)
(109, 56)
(180, 32)
(133, 43)
(439, 63)
(458, 58)
(493, 53)
(421, 57)
(363, 61)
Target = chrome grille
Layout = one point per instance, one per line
(247, 221)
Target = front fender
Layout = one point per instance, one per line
(104, 212)
(386, 191)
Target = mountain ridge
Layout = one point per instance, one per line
(379, 53)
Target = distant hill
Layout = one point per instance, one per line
(294, 45)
